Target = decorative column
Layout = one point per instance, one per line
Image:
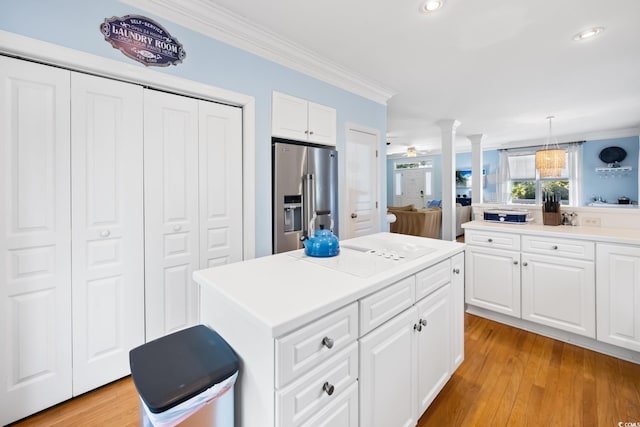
(448, 128)
(476, 167)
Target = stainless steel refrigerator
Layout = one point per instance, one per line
(305, 181)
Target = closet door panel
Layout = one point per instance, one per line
(35, 250)
(220, 184)
(107, 234)
(171, 212)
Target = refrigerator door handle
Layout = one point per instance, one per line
(308, 198)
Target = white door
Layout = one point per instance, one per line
(434, 345)
(171, 212)
(493, 279)
(618, 295)
(559, 292)
(412, 187)
(361, 161)
(35, 238)
(388, 374)
(220, 182)
(107, 228)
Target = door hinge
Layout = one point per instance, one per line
(376, 205)
(376, 153)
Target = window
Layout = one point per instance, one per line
(523, 184)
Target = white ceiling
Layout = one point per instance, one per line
(497, 66)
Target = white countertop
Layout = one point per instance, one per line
(601, 234)
(283, 292)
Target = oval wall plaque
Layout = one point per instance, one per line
(143, 40)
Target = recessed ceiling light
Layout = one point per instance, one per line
(588, 34)
(431, 6)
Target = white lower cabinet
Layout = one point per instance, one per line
(433, 349)
(559, 292)
(493, 279)
(405, 362)
(618, 295)
(388, 373)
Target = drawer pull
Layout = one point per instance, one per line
(328, 388)
(555, 247)
(489, 240)
(417, 327)
(105, 233)
(423, 322)
(515, 262)
(327, 342)
(456, 270)
(525, 263)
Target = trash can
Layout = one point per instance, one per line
(185, 378)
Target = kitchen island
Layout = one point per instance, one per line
(368, 337)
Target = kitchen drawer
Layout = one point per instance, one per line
(491, 239)
(342, 412)
(386, 303)
(567, 248)
(305, 397)
(302, 350)
(432, 278)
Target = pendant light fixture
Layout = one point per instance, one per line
(550, 161)
(412, 152)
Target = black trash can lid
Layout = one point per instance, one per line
(176, 367)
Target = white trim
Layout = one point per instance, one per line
(221, 24)
(24, 47)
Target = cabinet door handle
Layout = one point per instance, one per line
(489, 240)
(423, 322)
(525, 263)
(354, 215)
(555, 247)
(306, 132)
(515, 262)
(105, 233)
(456, 270)
(417, 327)
(310, 132)
(327, 342)
(328, 388)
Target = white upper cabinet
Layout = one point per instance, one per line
(35, 244)
(298, 119)
(107, 228)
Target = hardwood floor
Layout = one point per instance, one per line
(510, 377)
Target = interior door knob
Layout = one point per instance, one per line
(354, 215)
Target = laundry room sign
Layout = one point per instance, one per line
(143, 40)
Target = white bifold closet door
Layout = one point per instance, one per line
(171, 211)
(35, 250)
(107, 232)
(193, 202)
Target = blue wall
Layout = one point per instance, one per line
(75, 24)
(610, 188)
(490, 162)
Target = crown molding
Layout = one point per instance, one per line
(221, 24)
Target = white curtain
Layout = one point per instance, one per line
(574, 154)
(503, 186)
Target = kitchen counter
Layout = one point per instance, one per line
(601, 234)
(308, 331)
(284, 291)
